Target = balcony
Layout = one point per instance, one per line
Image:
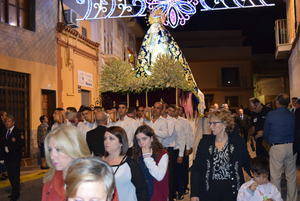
(283, 43)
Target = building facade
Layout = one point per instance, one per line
(287, 32)
(45, 64)
(27, 61)
(220, 64)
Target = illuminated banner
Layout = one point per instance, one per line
(177, 12)
(208, 5)
(102, 9)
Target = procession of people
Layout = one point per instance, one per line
(157, 154)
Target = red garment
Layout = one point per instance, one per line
(115, 195)
(161, 188)
(54, 190)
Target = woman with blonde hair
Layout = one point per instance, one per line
(217, 170)
(89, 179)
(62, 146)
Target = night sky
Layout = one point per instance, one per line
(257, 24)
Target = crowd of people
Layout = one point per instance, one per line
(145, 154)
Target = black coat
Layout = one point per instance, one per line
(202, 169)
(95, 140)
(14, 142)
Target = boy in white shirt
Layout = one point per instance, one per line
(259, 188)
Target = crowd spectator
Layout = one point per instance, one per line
(12, 141)
(59, 118)
(130, 182)
(153, 161)
(42, 132)
(95, 137)
(89, 179)
(259, 187)
(243, 123)
(216, 173)
(127, 123)
(258, 118)
(89, 121)
(3, 116)
(279, 131)
(62, 146)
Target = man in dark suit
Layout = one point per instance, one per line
(243, 122)
(12, 142)
(3, 175)
(95, 137)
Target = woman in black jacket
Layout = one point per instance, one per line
(217, 170)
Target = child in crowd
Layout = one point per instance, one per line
(89, 179)
(259, 188)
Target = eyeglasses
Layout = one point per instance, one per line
(215, 122)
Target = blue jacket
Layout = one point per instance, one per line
(279, 126)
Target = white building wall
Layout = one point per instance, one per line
(294, 70)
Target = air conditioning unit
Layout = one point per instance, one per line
(71, 17)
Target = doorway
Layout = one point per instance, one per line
(48, 102)
(85, 97)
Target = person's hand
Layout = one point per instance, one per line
(146, 150)
(179, 159)
(259, 134)
(188, 152)
(195, 199)
(253, 186)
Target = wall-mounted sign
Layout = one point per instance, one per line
(85, 79)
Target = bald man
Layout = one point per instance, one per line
(95, 137)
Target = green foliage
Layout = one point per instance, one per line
(168, 73)
(119, 76)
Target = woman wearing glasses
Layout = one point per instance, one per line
(217, 170)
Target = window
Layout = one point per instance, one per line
(232, 101)
(230, 77)
(84, 32)
(18, 13)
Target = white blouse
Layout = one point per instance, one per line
(126, 189)
(158, 171)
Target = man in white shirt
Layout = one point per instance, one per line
(128, 124)
(157, 123)
(140, 115)
(89, 121)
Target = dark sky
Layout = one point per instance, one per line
(257, 24)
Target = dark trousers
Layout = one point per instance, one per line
(13, 173)
(260, 149)
(220, 191)
(181, 172)
(172, 175)
(244, 133)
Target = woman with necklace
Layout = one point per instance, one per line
(130, 182)
(217, 170)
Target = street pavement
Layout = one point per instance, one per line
(31, 187)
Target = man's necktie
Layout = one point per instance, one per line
(7, 133)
